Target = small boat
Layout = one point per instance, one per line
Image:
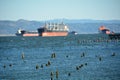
(73, 33)
(111, 34)
(104, 30)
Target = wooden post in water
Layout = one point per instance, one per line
(57, 73)
(23, 56)
(51, 75)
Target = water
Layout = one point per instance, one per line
(70, 51)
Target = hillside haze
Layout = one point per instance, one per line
(82, 26)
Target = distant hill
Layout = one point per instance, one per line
(83, 21)
(10, 27)
(82, 26)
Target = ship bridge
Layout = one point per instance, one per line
(56, 27)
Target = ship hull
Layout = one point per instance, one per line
(54, 34)
(28, 34)
(104, 32)
(44, 34)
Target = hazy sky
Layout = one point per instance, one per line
(54, 9)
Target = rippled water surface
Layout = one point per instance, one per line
(80, 57)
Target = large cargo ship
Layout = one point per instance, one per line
(49, 29)
(53, 29)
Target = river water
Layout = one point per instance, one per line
(75, 57)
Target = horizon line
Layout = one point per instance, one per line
(59, 19)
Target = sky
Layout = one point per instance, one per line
(59, 9)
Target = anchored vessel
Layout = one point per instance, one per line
(73, 33)
(111, 35)
(104, 30)
(53, 29)
(49, 29)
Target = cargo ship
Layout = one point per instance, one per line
(49, 29)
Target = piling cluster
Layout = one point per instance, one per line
(80, 66)
(83, 54)
(53, 55)
(56, 74)
(10, 65)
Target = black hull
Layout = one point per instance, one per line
(19, 34)
(114, 36)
